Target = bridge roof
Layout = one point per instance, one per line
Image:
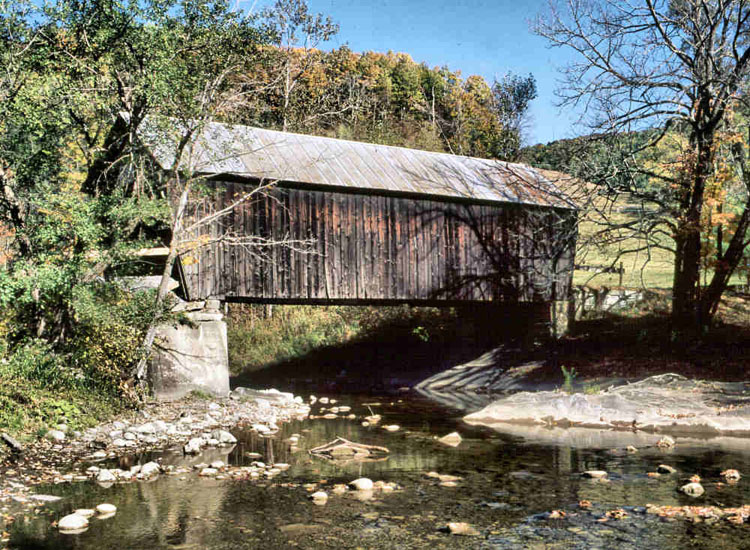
(321, 161)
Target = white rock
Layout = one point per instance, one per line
(665, 442)
(453, 439)
(261, 428)
(224, 437)
(319, 496)
(56, 435)
(106, 509)
(98, 455)
(85, 512)
(207, 472)
(45, 498)
(160, 426)
(72, 522)
(115, 434)
(117, 425)
(693, 489)
(323, 400)
(194, 446)
(147, 428)
(462, 528)
(392, 428)
(129, 436)
(105, 476)
(361, 484)
(595, 474)
(217, 465)
(149, 469)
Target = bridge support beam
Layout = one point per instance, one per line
(192, 358)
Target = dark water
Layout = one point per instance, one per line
(507, 483)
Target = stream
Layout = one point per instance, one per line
(508, 486)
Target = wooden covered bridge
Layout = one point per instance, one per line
(343, 222)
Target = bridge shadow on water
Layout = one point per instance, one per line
(393, 356)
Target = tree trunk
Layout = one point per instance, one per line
(686, 290)
(148, 340)
(725, 267)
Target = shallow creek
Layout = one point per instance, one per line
(508, 485)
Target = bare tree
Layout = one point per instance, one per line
(297, 33)
(662, 65)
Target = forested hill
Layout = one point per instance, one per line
(384, 98)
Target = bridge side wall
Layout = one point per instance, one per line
(368, 248)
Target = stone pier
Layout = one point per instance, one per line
(188, 358)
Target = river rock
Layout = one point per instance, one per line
(72, 522)
(150, 469)
(392, 428)
(693, 489)
(208, 472)
(217, 465)
(319, 497)
(224, 437)
(147, 428)
(194, 446)
(731, 475)
(665, 442)
(106, 509)
(361, 484)
(129, 436)
(85, 512)
(595, 474)
(462, 528)
(666, 469)
(452, 439)
(56, 435)
(105, 476)
(45, 498)
(160, 426)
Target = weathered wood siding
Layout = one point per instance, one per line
(370, 248)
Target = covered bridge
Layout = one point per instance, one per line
(344, 222)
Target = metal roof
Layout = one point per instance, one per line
(286, 157)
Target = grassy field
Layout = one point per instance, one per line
(650, 268)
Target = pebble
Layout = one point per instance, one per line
(452, 439)
(85, 512)
(361, 484)
(595, 474)
(666, 469)
(462, 528)
(207, 472)
(319, 497)
(665, 442)
(693, 489)
(217, 465)
(106, 509)
(105, 476)
(149, 469)
(56, 435)
(392, 428)
(72, 522)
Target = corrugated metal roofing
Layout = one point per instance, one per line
(313, 160)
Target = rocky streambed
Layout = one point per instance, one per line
(253, 482)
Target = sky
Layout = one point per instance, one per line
(485, 37)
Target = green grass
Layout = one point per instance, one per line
(652, 268)
(28, 410)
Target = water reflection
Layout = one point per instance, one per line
(506, 477)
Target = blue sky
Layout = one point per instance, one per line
(483, 37)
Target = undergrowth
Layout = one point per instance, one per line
(293, 331)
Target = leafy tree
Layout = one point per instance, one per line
(664, 65)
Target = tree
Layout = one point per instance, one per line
(666, 65)
(297, 33)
